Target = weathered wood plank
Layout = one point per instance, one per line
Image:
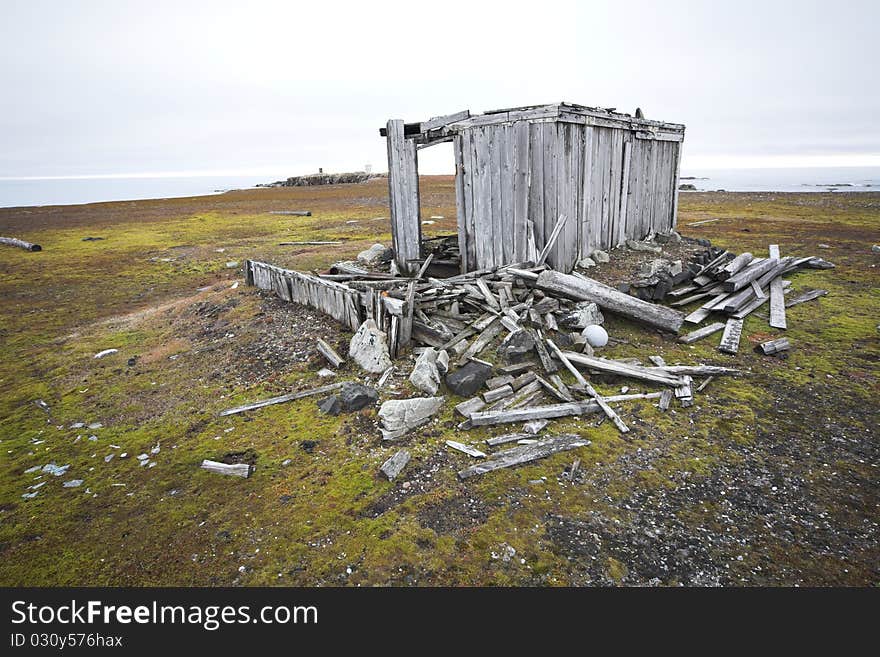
(807, 296)
(701, 333)
(282, 399)
(774, 346)
(486, 418)
(242, 470)
(525, 454)
(730, 339)
(21, 244)
(621, 369)
(330, 353)
(466, 449)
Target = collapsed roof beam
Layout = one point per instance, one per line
(434, 123)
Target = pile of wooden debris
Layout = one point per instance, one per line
(533, 323)
(735, 286)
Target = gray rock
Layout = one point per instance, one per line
(875, 248)
(355, 396)
(325, 372)
(425, 375)
(368, 348)
(442, 361)
(373, 255)
(56, 470)
(600, 257)
(516, 347)
(330, 405)
(392, 467)
(534, 427)
(643, 246)
(400, 416)
(586, 263)
(466, 380)
(73, 483)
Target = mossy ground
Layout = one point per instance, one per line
(686, 497)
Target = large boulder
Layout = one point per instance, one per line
(368, 348)
(466, 380)
(516, 347)
(400, 416)
(355, 396)
(425, 375)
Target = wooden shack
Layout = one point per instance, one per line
(613, 176)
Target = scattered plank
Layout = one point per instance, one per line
(525, 454)
(467, 449)
(701, 333)
(616, 367)
(294, 213)
(807, 296)
(759, 293)
(330, 354)
(730, 339)
(684, 393)
(394, 465)
(777, 304)
(703, 385)
(665, 399)
(497, 393)
(507, 438)
(282, 399)
(307, 243)
(472, 405)
(774, 346)
(242, 470)
(549, 411)
(560, 224)
(704, 221)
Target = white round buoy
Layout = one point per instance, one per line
(596, 336)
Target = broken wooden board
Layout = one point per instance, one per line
(777, 304)
(774, 346)
(495, 394)
(730, 340)
(330, 354)
(472, 405)
(665, 399)
(807, 296)
(701, 333)
(233, 469)
(525, 454)
(467, 449)
(507, 438)
(621, 369)
(282, 399)
(394, 465)
(550, 411)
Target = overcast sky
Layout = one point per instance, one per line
(281, 88)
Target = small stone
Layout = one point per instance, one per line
(516, 347)
(600, 257)
(586, 263)
(324, 373)
(824, 246)
(442, 361)
(56, 470)
(286, 462)
(308, 446)
(425, 375)
(108, 458)
(372, 256)
(73, 483)
(875, 248)
(232, 264)
(355, 396)
(330, 405)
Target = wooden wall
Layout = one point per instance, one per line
(613, 184)
(403, 196)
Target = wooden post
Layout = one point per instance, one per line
(403, 196)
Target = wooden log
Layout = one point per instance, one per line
(282, 399)
(698, 370)
(233, 469)
(632, 371)
(586, 289)
(307, 243)
(21, 244)
(525, 454)
(730, 339)
(550, 411)
(701, 333)
(774, 346)
(734, 266)
(293, 213)
(807, 296)
(330, 354)
(466, 449)
(665, 399)
(394, 465)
